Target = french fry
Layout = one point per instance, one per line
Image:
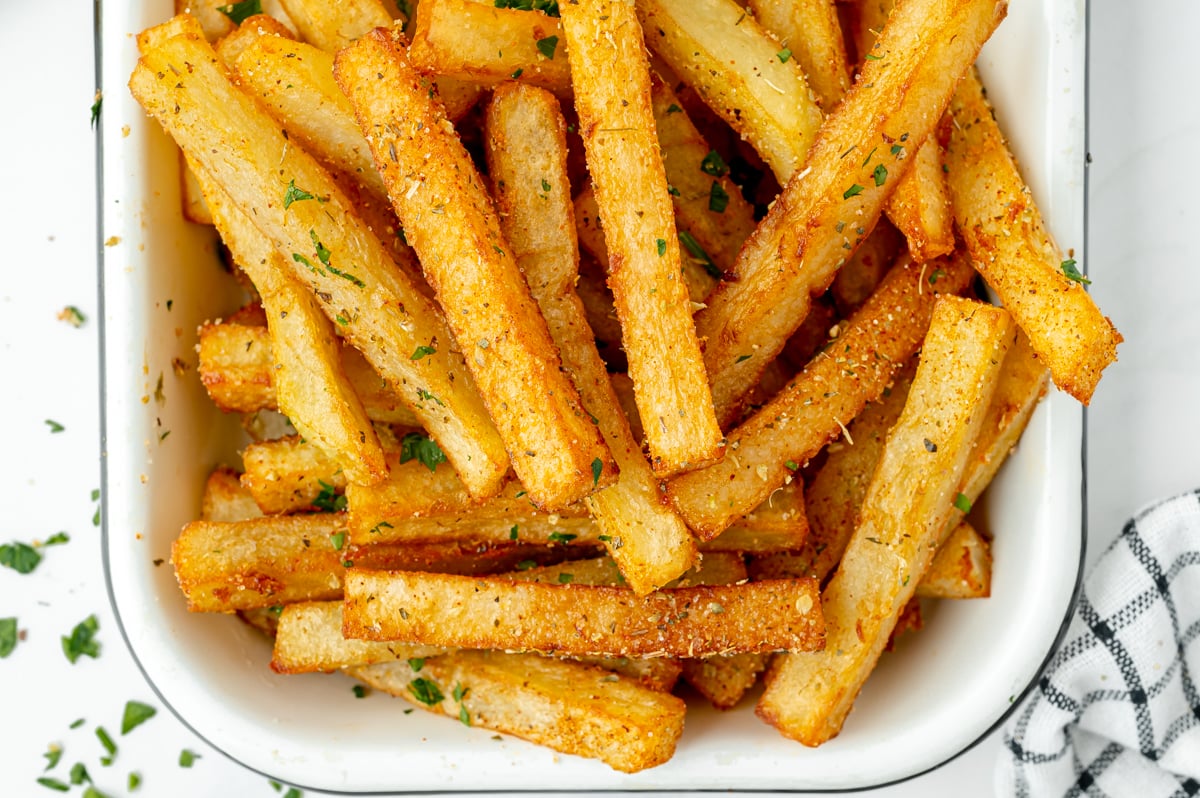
(865, 270)
(387, 317)
(233, 44)
(734, 64)
(225, 499)
(236, 370)
(1009, 243)
(309, 639)
(611, 79)
(577, 619)
(907, 506)
(527, 157)
(195, 209)
(809, 31)
(853, 369)
(471, 41)
(556, 451)
(566, 706)
(817, 222)
(920, 207)
(961, 569)
(724, 679)
(215, 22)
(333, 26)
(289, 474)
(311, 388)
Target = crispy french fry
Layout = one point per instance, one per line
(724, 680)
(289, 474)
(472, 41)
(333, 26)
(556, 451)
(814, 332)
(311, 387)
(908, 504)
(961, 569)
(1014, 252)
(225, 499)
(578, 619)
(817, 222)
(853, 369)
(387, 317)
(308, 638)
(195, 209)
(233, 44)
(809, 31)
(215, 23)
(527, 157)
(734, 64)
(865, 270)
(567, 706)
(236, 369)
(612, 97)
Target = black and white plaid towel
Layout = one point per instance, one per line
(1117, 712)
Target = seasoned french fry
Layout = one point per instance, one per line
(311, 388)
(961, 569)
(724, 679)
(809, 31)
(854, 369)
(865, 270)
(215, 22)
(308, 638)
(567, 706)
(472, 41)
(195, 209)
(236, 369)
(908, 504)
(225, 499)
(612, 97)
(556, 451)
(527, 158)
(817, 222)
(734, 64)
(578, 619)
(333, 26)
(289, 474)
(1014, 252)
(387, 317)
(230, 46)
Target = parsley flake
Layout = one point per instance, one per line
(240, 12)
(53, 784)
(937, 275)
(873, 57)
(81, 641)
(72, 315)
(416, 663)
(718, 198)
(415, 446)
(525, 565)
(187, 758)
(548, 7)
(791, 465)
(294, 194)
(1072, 273)
(661, 245)
(512, 533)
(565, 578)
(714, 165)
(136, 713)
(54, 425)
(853, 191)
(79, 774)
(109, 745)
(359, 691)
(880, 174)
(597, 467)
(422, 351)
(742, 358)
(426, 692)
(135, 781)
(53, 755)
(328, 500)
(674, 109)
(517, 73)
(338, 540)
(783, 55)
(561, 537)
(8, 642)
(97, 104)
(699, 255)
(21, 557)
(547, 46)
(962, 502)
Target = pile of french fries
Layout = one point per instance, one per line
(530, 487)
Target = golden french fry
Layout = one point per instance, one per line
(216, 19)
(817, 222)
(611, 79)
(308, 638)
(225, 499)
(527, 158)
(233, 44)
(809, 31)
(724, 680)
(556, 451)
(1014, 252)
(907, 506)
(723, 52)
(333, 26)
(852, 370)
(567, 706)
(291, 474)
(386, 316)
(311, 387)
(961, 569)
(865, 270)
(579, 619)
(471, 41)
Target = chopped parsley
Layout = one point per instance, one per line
(548, 7)
(187, 758)
(853, 191)
(697, 252)
(135, 781)
(546, 185)
(791, 465)
(963, 503)
(81, 642)
(294, 194)
(328, 500)
(718, 198)
(21, 557)
(338, 540)
(53, 784)
(661, 245)
(426, 692)
(517, 73)
(54, 425)
(1072, 273)
(416, 663)
(783, 55)
(597, 467)
(547, 46)
(873, 57)
(415, 446)
(359, 691)
(109, 745)
(512, 533)
(565, 578)
(713, 164)
(8, 642)
(880, 174)
(422, 351)
(525, 565)
(937, 275)
(426, 396)
(240, 12)
(674, 109)
(742, 358)
(53, 755)
(322, 253)
(79, 774)
(97, 104)
(382, 525)
(136, 713)
(562, 537)
(72, 315)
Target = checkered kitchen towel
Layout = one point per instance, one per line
(1117, 712)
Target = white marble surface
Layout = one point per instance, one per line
(1143, 441)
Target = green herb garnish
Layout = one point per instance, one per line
(426, 692)
(294, 194)
(1072, 273)
(240, 12)
(415, 446)
(718, 198)
(713, 164)
(21, 557)
(136, 713)
(853, 191)
(547, 46)
(963, 503)
(783, 55)
(561, 537)
(81, 641)
(597, 467)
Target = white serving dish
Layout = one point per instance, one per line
(943, 690)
